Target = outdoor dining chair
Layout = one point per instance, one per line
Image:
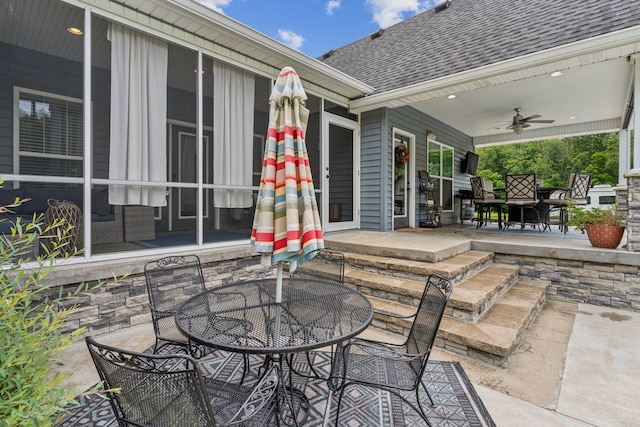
(394, 368)
(336, 262)
(521, 193)
(576, 193)
(170, 390)
(486, 201)
(171, 281)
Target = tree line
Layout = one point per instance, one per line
(553, 160)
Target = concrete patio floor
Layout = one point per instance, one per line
(576, 367)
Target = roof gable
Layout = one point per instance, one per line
(474, 33)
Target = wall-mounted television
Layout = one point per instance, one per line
(469, 163)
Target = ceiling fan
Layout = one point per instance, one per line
(519, 122)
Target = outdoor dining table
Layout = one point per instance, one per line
(244, 318)
(541, 209)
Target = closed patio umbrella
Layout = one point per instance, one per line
(286, 226)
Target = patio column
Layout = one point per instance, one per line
(633, 210)
(624, 156)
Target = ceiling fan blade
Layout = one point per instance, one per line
(540, 121)
(535, 116)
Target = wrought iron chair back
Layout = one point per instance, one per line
(395, 368)
(170, 282)
(170, 390)
(580, 188)
(485, 200)
(521, 188)
(477, 188)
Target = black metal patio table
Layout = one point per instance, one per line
(314, 313)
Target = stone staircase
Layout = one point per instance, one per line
(489, 312)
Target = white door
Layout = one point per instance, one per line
(340, 173)
(403, 179)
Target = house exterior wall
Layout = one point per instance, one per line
(377, 161)
(374, 213)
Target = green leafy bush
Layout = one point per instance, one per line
(580, 217)
(32, 317)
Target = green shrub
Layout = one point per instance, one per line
(32, 317)
(580, 217)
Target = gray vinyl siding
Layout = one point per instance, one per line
(374, 215)
(377, 161)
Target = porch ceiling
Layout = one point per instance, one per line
(595, 88)
(40, 25)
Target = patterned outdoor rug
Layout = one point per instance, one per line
(456, 402)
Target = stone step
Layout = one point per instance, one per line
(401, 246)
(495, 337)
(492, 339)
(453, 268)
(470, 298)
(473, 296)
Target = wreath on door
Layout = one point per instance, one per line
(402, 155)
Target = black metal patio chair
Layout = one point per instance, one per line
(521, 193)
(486, 201)
(394, 368)
(171, 281)
(336, 260)
(576, 193)
(170, 390)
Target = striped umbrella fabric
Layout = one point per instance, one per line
(286, 226)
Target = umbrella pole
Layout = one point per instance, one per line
(279, 282)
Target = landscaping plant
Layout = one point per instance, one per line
(32, 317)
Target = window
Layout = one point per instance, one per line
(49, 134)
(440, 167)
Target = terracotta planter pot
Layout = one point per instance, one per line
(605, 236)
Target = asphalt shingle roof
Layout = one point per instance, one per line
(473, 33)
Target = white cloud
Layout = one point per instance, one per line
(291, 39)
(215, 4)
(389, 12)
(332, 5)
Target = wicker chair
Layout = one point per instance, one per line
(394, 368)
(170, 390)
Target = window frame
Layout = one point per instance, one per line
(439, 176)
(18, 153)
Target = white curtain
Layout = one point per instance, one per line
(233, 106)
(138, 116)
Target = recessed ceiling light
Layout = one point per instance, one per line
(452, 96)
(75, 31)
(556, 74)
(573, 117)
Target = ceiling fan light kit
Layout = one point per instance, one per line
(519, 122)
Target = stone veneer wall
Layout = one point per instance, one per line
(633, 210)
(613, 285)
(125, 303)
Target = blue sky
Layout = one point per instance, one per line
(317, 26)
